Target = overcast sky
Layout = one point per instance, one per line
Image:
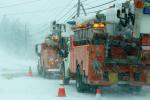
(38, 13)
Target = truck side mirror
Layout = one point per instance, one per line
(37, 50)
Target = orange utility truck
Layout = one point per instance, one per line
(52, 53)
(105, 52)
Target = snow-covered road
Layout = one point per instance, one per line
(36, 88)
(16, 85)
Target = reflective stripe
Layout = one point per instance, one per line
(55, 70)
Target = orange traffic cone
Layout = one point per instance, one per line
(61, 91)
(30, 72)
(98, 93)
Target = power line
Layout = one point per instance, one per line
(67, 12)
(56, 16)
(18, 4)
(90, 2)
(101, 5)
(63, 15)
(42, 28)
(64, 8)
(32, 12)
(70, 10)
(38, 35)
(102, 9)
(84, 1)
(71, 16)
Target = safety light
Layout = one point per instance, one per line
(82, 26)
(50, 63)
(98, 25)
(55, 38)
(139, 3)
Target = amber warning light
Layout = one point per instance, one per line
(82, 25)
(96, 25)
(99, 25)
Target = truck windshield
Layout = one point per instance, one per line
(89, 36)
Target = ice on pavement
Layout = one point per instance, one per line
(16, 85)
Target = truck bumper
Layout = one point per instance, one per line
(100, 83)
(53, 70)
(53, 73)
(135, 83)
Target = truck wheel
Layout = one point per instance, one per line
(39, 68)
(65, 80)
(79, 83)
(44, 74)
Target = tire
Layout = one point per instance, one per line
(44, 74)
(65, 80)
(79, 83)
(39, 68)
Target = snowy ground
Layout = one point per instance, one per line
(16, 85)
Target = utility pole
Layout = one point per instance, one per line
(83, 9)
(78, 9)
(26, 41)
